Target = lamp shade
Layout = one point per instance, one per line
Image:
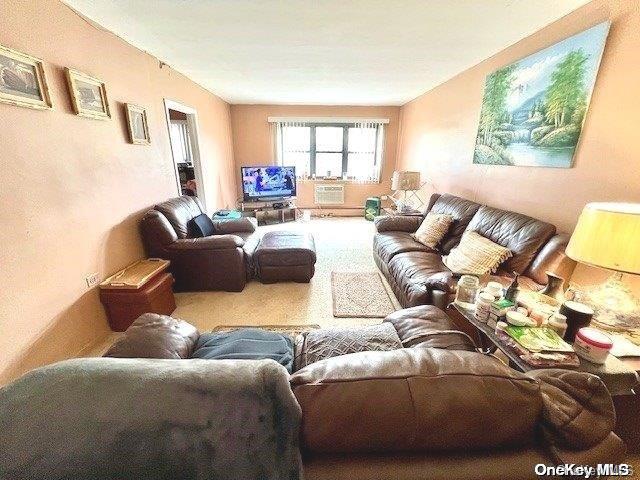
(608, 236)
(405, 181)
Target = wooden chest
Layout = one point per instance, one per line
(143, 287)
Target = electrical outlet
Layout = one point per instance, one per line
(384, 197)
(92, 280)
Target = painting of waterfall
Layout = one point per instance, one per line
(533, 110)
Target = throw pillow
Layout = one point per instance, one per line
(476, 255)
(432, 229)
(200, 226)
(246, 344)
(332, 342)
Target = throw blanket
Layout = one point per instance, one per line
(111, 418)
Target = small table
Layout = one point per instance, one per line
(410, 213)
(616, 374)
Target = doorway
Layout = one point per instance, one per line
(182, 122)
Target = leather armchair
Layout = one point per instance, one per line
(217, 262)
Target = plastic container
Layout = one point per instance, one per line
(483, 306)
(518, 319)
(558, 322)
(495, 289)
(468, 287)
(592, 345)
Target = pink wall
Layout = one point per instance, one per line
(253, 145)
(438, 131)
(73, 188)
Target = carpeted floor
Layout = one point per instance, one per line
(341, 244)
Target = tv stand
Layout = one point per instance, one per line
(267, 214)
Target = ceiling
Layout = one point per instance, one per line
(330, 52)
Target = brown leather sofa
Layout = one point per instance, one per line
(434, 409)
(417, 274)
(222, 261)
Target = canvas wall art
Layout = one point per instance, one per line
(533, 110)
(88, 95)
(22, 80)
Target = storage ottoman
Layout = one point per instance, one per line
(285, 256)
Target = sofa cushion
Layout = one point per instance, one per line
(428, 326)
(433, 229)
(200, 226)
(246, 344)
(179, 211)
(331, 342)
(408, 273)
(462, 211)
(476, 255)
(415, 399)
(521, 234)
(389, 244)
(156, 336)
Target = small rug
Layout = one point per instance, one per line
(360, 295)
(291, 330)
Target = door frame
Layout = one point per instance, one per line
(192, 129)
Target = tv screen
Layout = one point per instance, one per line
(268, 182)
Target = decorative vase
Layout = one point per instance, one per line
(554, 288)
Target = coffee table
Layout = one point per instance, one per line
(618, 376)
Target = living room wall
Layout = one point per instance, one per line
(438, 131)
(253, 143)
(73, 188)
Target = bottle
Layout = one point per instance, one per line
(512, 291)
(558, 322)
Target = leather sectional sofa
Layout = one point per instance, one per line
(417, 274)
(434, 408)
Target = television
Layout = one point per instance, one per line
(268, 183)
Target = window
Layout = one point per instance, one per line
(350, 151)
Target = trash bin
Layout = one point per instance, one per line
(372, 208)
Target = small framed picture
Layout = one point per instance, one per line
(88, 95)
(138, 125)
(22, 80)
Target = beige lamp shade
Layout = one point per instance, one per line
(608, 236)
(405, 181)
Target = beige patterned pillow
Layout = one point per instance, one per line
(432, 229)
(476, 255)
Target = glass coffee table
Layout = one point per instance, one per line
(619, 376)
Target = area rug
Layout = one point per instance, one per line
(360, 295)
(291, 330)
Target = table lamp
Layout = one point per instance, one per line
(404, 181)
(608, 236)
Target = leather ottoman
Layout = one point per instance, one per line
(285, 256)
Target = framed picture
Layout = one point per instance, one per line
(138, 125)
(22, 80)
(88, 95)
(533, 110)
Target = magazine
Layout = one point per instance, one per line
(538, 339)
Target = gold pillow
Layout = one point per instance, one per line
(432, 229)
(476, 255)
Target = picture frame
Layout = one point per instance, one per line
(88, 95)
(22, 80)
(137, 124)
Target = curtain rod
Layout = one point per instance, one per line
(327, 120)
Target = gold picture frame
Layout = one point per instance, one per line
(22, 80)
(137, 124)
(88, 95)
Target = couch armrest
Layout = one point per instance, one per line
(246, 224)
(214, 242)
(397, 223)
(444, 281)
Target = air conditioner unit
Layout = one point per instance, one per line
(329, 194)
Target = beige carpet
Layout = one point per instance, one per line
(341, 244)
(360, 294)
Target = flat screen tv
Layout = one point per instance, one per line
(268, 183)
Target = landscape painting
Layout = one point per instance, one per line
(533, 110)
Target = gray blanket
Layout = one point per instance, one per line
(110, 418)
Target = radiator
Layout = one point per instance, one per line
(329, 194)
